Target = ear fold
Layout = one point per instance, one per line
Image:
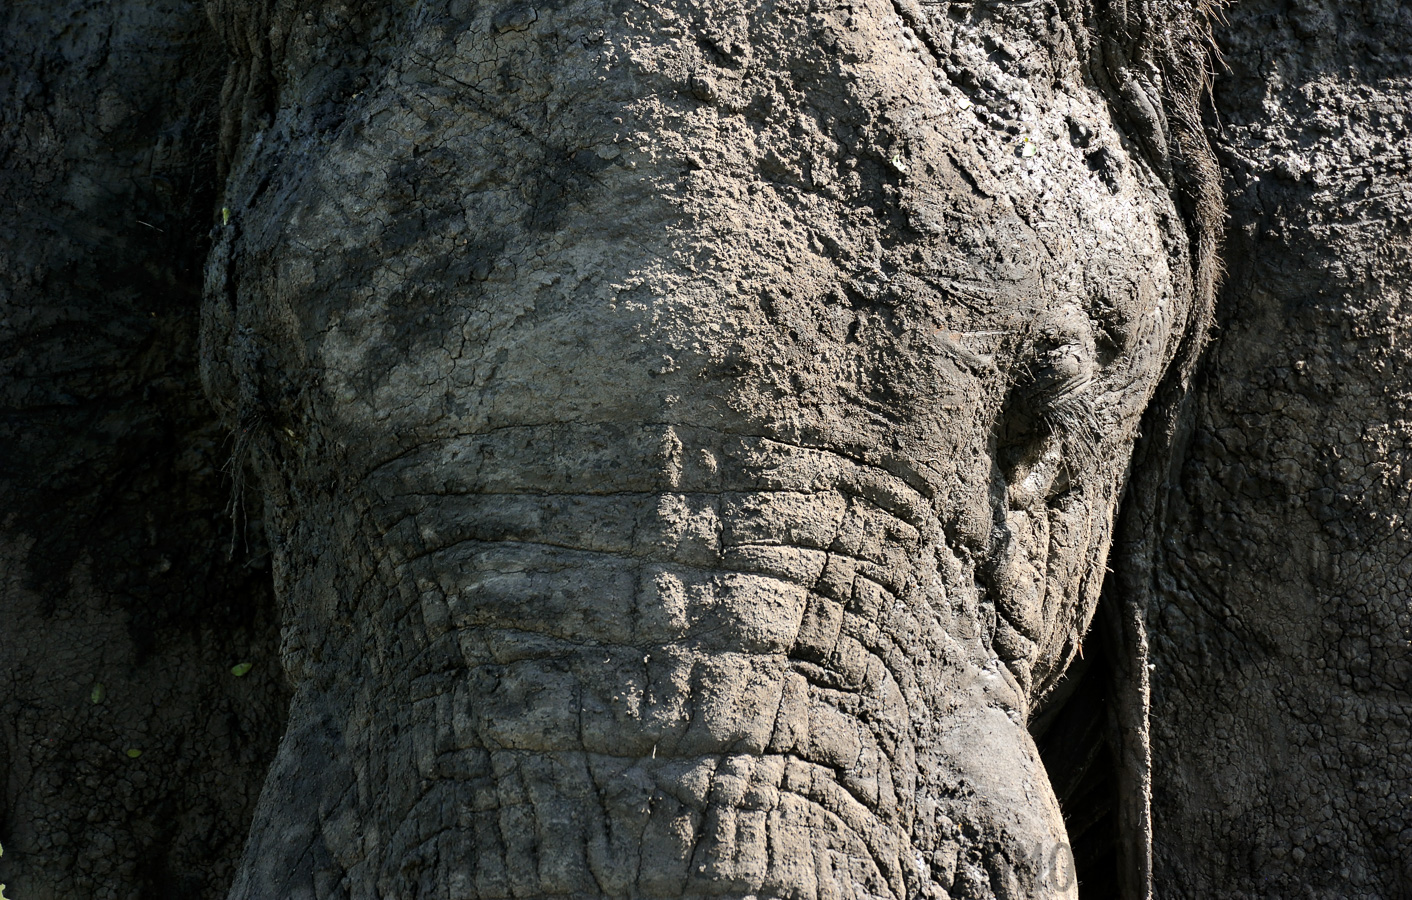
(1075, 731)
(1122, 623)
(1092, 734)
(1122, 626)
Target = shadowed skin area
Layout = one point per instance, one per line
(125, 597)
(1282, 687)
(691, 435)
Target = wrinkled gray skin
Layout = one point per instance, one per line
(565, 618)
(691, 436)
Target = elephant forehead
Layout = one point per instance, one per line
(563, 214)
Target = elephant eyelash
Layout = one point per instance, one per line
(1051, 408)
(1076, 424)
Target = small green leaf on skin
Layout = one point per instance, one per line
(134, 753)
(240, 669)
(98, 694)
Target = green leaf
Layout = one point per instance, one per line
(240, 669)
(134, 753)
(98, 694)
(2, 893)
(225, 215)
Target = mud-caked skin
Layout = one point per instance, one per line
(1282, 630)
(691, 433)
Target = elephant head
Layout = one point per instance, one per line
(691, 432)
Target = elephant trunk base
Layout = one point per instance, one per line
(514, 823)
(750, 679)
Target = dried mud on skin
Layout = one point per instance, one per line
(1282, 634)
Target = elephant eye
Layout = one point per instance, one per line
(1049, 412)
(1062, 373)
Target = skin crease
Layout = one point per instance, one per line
(691, 436)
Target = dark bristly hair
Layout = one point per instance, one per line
(1154, 60)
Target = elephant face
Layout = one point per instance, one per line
(692, 436)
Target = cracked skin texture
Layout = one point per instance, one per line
(691, 435)
(1282, 627)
